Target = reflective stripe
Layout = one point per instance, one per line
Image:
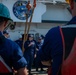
(69, 65)
(2, 60)
(69, 26)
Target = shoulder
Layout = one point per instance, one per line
(11, 44)
(52, 32)
(10, 41)
(16, 40)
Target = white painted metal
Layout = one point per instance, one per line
(50, 1)
(36, 28)
(50, 11)
(40, 9)
(56, 13)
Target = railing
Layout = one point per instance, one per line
(44, 0)
(53, 0)
(62, 2)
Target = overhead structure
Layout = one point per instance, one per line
(61, 2)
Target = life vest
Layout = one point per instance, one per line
(68, 34)
(4, 68)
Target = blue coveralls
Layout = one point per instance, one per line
(53, 48)
(11, 53)
(29, 53)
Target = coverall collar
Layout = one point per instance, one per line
(72, 21)
(0, 33)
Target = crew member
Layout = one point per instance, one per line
(11, 56)
(60, 46)
(30, 52)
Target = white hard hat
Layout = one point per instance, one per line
(20, 36)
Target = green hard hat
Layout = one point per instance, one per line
(4, 12)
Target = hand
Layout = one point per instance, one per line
(35, 56)
(31, 44)
(37, 49)
(47, 63)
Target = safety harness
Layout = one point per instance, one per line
(68, 34)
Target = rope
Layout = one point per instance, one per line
(27, 24)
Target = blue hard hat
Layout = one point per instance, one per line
(4, 12)
(40, 38)
(31, 35)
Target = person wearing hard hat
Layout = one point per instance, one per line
(37, 61)
(59, 47)
(11, 56)
(30, 51)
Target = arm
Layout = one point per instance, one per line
(27, 45)
(18, 61)
(49, 47)
(52, 49)
(45, 51)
